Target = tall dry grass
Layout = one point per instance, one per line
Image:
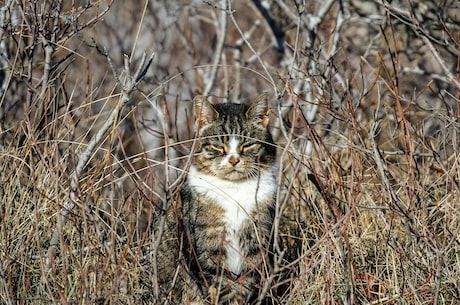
(365, 109)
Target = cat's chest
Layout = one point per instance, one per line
(238, 200)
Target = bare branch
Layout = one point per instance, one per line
(221, 34)
(243, 36)
(127, 89)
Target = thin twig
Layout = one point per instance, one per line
(222, 33)
(450, 77)
(242, 35)
(425, 35)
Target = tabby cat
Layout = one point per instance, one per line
(227, 207)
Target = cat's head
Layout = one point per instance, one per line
(234, 141)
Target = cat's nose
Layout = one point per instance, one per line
(234, 160)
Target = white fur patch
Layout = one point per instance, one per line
(239, 200)
(233, 145)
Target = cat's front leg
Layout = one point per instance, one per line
(228, 290)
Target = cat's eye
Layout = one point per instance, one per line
(248, 147)
(218, 148)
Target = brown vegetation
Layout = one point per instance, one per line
(94, 138)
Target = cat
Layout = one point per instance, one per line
(225, 214)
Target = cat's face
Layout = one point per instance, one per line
(235, 143)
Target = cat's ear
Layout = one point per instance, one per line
(205, 113)
(259, 110)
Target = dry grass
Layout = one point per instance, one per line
(365, 114)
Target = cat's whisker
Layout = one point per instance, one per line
(253, 173)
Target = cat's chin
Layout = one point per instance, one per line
(234, 175)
